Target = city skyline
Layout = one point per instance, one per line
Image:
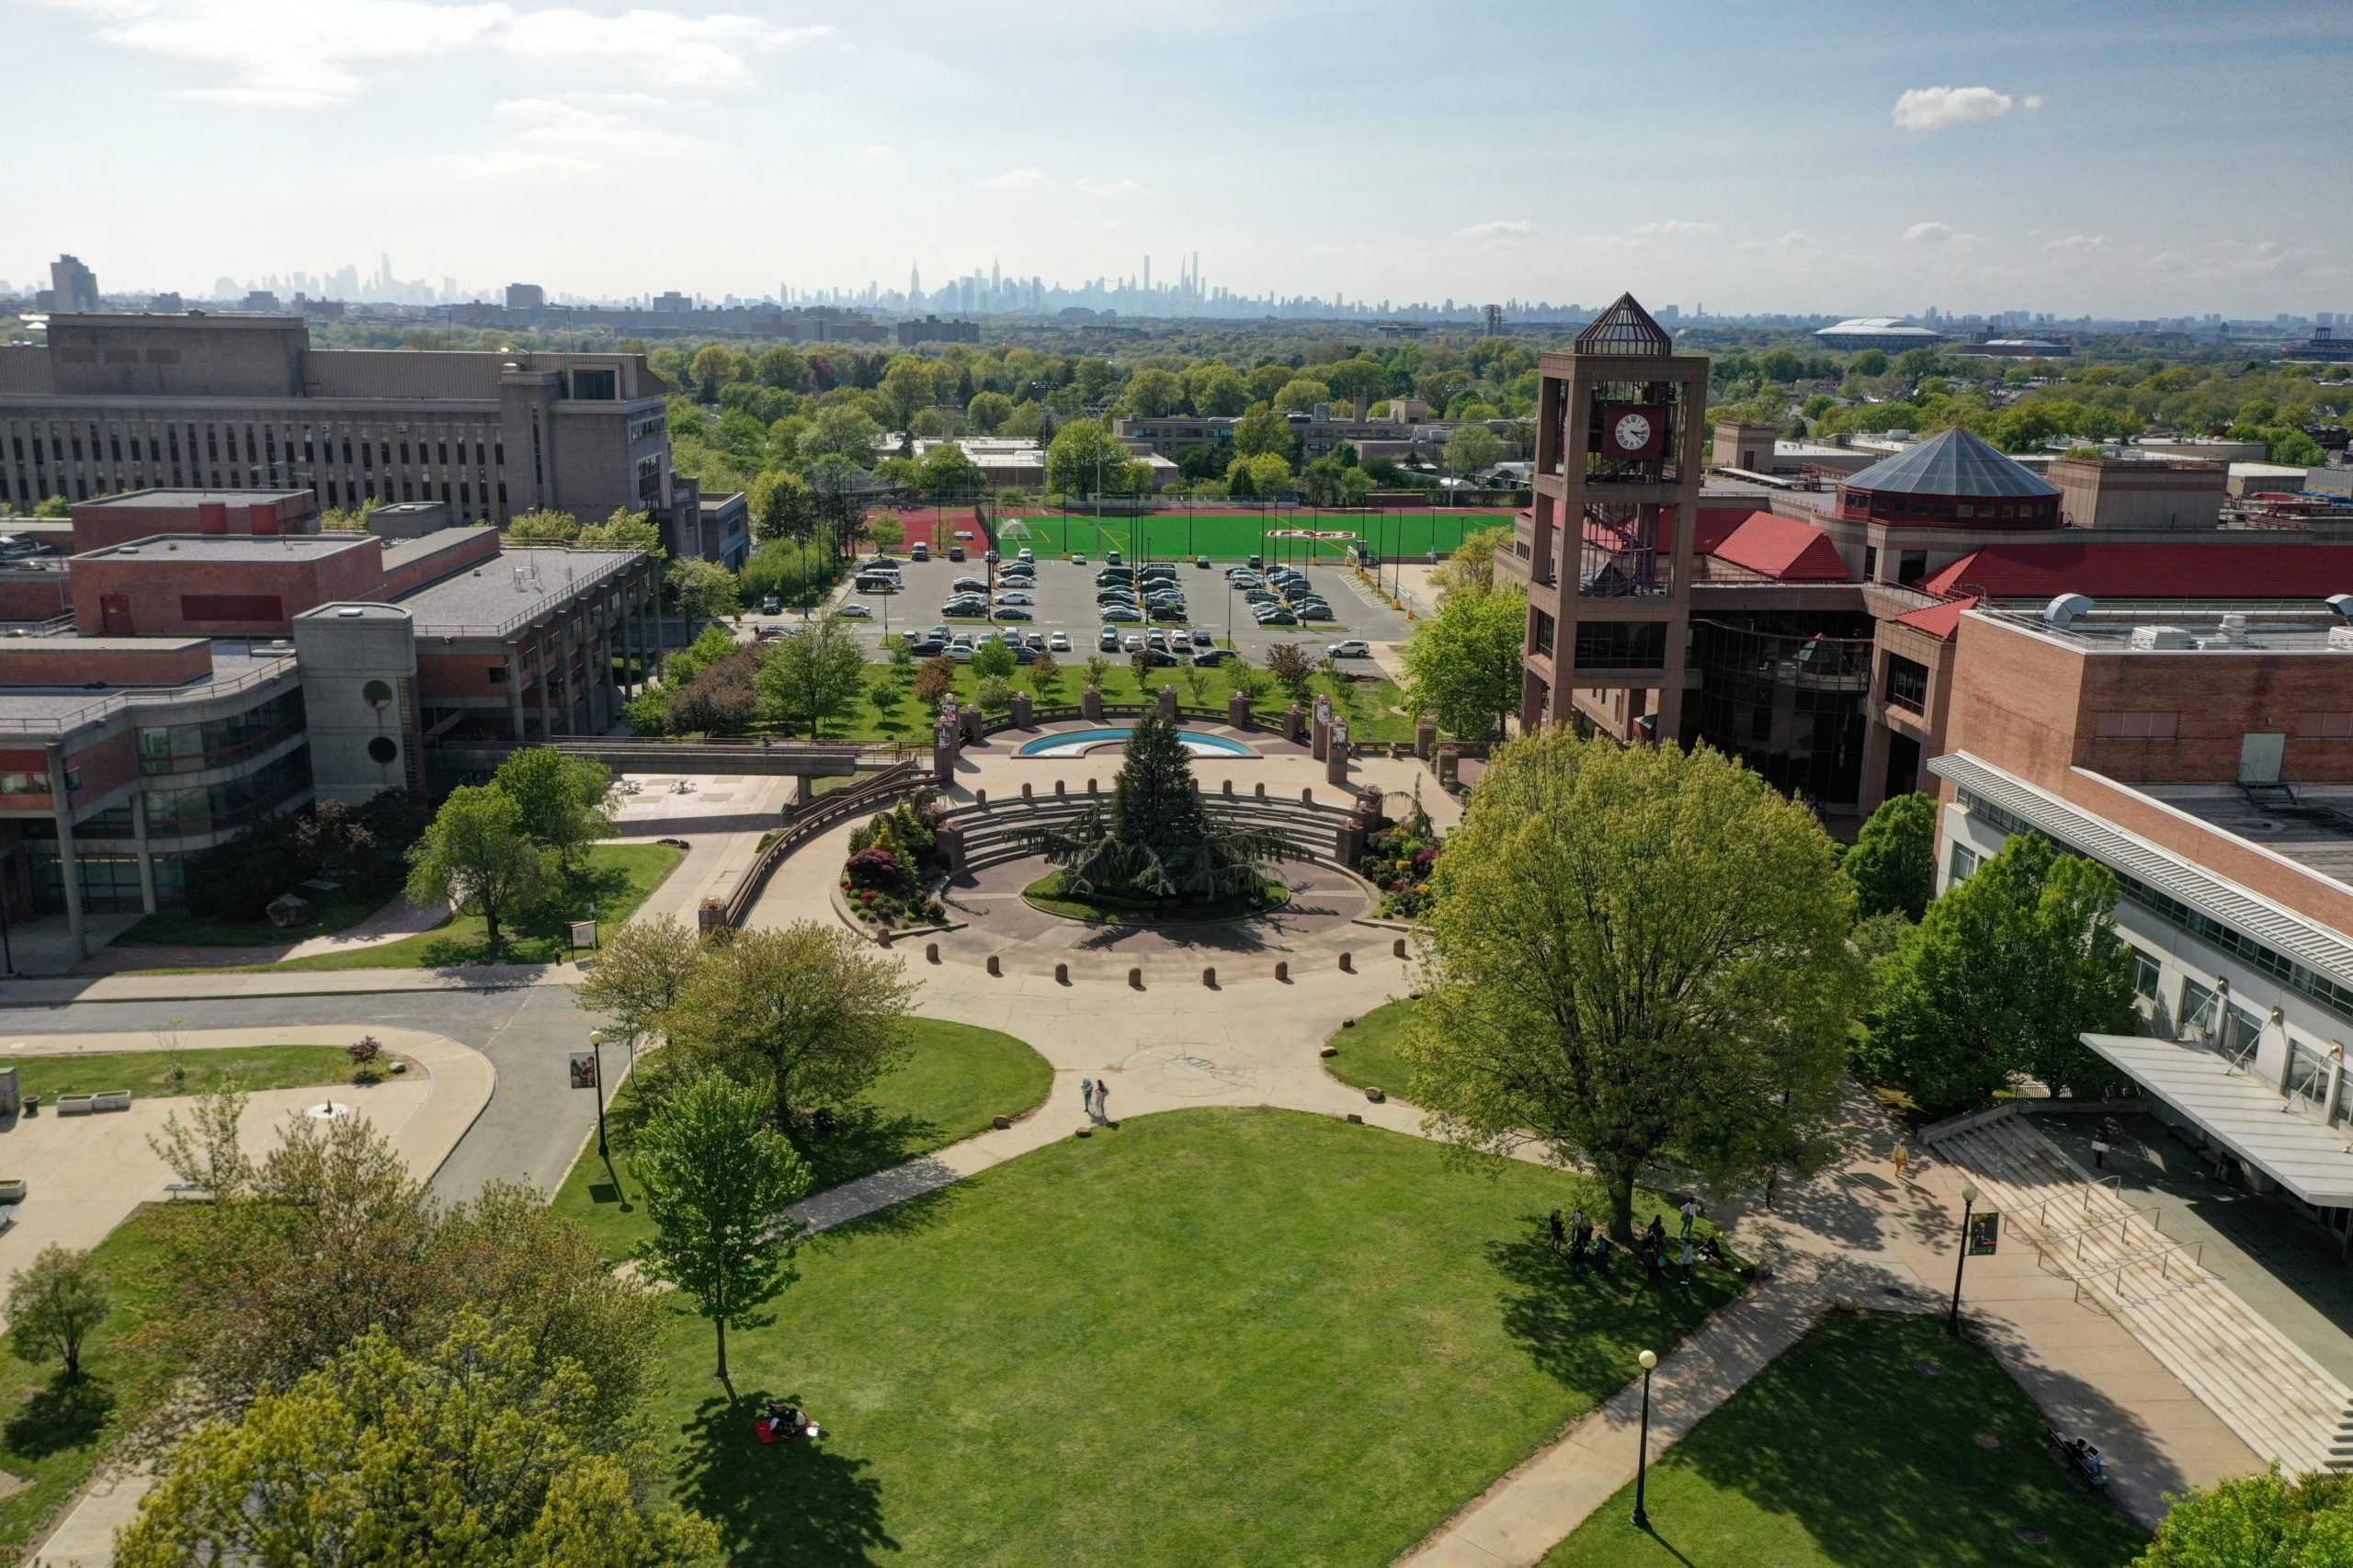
(2013, 158)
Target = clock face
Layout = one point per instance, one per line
(1632, 432)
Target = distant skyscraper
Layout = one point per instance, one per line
(1147, 275)
(73, 286)
(915, 284)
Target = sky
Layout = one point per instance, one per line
(2154, 159)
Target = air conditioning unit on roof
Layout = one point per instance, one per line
(2163, 637)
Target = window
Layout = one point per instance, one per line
(2136, 726)
(2325, 726)
(2310, 1073)
(1907, 684)
(1912, 565)
(596, 386)
(1541, 634)
(2148, 975)
(1870, 563)
(1621, 645)
(1964, 862)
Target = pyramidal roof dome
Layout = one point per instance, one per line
(1950, 463)
(1624, 328)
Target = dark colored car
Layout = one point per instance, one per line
(1159, 657)
(927, 647)
(1214, 656)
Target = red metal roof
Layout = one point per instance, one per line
(2184, 571)
(1939, 622)
(1715, 525)
(1782, 548)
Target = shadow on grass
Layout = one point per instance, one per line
(862, 1141)
(1577, 1325)
(63, 1415)
(798, 1503)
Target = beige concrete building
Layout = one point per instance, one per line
(117, 402)
(2097, 493)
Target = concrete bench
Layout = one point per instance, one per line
(77, 1105)
(13, 1192)
(112, 1099)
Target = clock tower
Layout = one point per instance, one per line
(1607, 552)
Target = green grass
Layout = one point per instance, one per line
(955, 1081)
(1217, 1336)
(1368, 1058)
(1168, 537)
(148, 1074)
(618, 876)
(1047, 893)
(1841, 1454)
(53, 1434)
(338, 911)
(1373, 703)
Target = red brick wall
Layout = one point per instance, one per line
(157, 583)
(44, 662)
(463, 552)
(96, 526)
(457, 674)
(34, 597)
(108, 765)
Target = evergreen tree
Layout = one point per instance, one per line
(1893, 861)
(1159, 840)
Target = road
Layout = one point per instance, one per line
(534, 1124)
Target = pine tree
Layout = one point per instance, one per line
(1158, 840)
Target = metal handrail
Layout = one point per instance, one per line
(145, 697)
(2091, 1190)
(2162, 1256)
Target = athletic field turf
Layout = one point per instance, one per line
(1225, 536)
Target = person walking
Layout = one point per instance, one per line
(2111, 1131)
(1687, 1257)
(1903, 1157)
(1772, 1174)
(1690, 1212)
(1580, 1237)
(1086, 1096)
(1560, 1233)
(1103, 1102)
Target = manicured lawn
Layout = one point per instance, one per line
(1172, 536)
(148, 1074)
(954, 1082)
(1841, 1454)
(1371, 702)
(53, 1434)
(1047, 893)
(338, 911)
(1220, 1335)
(617, 877)
(1368, 1056)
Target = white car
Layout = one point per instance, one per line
(1016, 597)
(855, 612)
(1059, 642)
(1353, 648)
(1027, 554)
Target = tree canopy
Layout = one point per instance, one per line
(1633, 955)
(2258, 1521)
(1464, 666)
(1893, 862)
(476, 854)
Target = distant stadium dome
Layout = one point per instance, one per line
(1889, 333)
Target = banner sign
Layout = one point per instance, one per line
(1984, 1232)
(584, 1069)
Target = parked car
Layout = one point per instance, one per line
(1256, 563)
(955, 552)
(1201, 638)
(991, 558)
(957, 653)
(1157, 569)
(1175, 612)
(1260, 596)
(772, 605)
(1027, 554)
(1201, 563)
(1016, 597)
(1132, 643)
(1059, 642)
(969, 584)
(1114, 596)
(1111, 576)
(1277, 618)
(1350, 648)
(964, 610)
(1110, 558)
(1110, 640)
(1078, 558)
(1013, 612)
(919, 551)
(927, 647)
(1123, 612)
(942, 633)
(1314, 612)
(1214, 656)
(855, 612)
(1160, 658)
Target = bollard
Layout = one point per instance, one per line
(1307, 795)
(1060, 788)
(1282, 969)
(1348, 962)
(1261, 790)
(1356, 1117)
(1398, 946)
(931, 951)
(1025, 790)
(882, 934)
(1001, 1123)
(1090, 786)
(1229, 786)
(996, 967)
(1061, 974)
(980, 797)
(1135, 978)
(1209, 978)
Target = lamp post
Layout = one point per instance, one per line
(1649, 1358)
(1968, 1202)
(596, 1044)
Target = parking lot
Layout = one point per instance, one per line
(1064, 601)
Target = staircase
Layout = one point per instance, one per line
(998, 831)
(2280, 1402)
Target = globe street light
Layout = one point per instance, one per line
(1649, 1358)
(596, 1044)
(1968, 1202)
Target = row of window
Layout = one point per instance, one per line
(1860, 503)
(187, 748)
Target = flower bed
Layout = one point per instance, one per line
(894, 870)
(1396, 859)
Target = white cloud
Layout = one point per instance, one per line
(2032, 100)
(1499, 231)
(562, 130)
(879, 150)
(1020, 179)
(1937, 234)
(1790, 240)
(2077, 243)
(312, 54)
(1111, 189)
(1675, 226)
(1933, 108)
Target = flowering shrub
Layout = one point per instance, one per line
(873, 869)
(1397, 859)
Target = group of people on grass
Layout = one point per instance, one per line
(1587, 1245)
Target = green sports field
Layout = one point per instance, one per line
(1169, 536)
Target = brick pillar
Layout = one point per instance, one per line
(1351, 842)
(1336, 765)
(1319, 743)
(1237, 710)
(1425, 739)
(1448, 765)
(952, 848)
(1021, 710)
(1295, 725)
(1090, 704)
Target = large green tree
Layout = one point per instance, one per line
(1159, 840)
(719, 1183)
(697, 590)
(476, 855)
(1153, 394)
(565, 802)
(641, 973)
(1262, 432)
(842, 434)
(2000, 978)
(808, 1012)
(54, 1303)
(2258, 1521)
(478, 1451)
(1472, 449)
(1893, 860)
(1634, 955)
(812, 675)
(1085, 459)
(947, 472)
(1465, 665)
(907, 389)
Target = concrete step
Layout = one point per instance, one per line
(2280, 1401)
